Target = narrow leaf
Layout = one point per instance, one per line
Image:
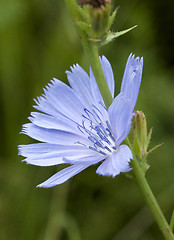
(154, 148)
(149, 138)
(112, 35)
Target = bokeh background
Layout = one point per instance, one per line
(37, 42)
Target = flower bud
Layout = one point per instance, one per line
(99, 11)
(138, 135)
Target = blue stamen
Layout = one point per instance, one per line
(99, 133)
(102, 104)
(108, 149)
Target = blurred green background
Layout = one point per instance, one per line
(38, 42)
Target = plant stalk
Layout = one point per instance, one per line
(91, 50)
(151, 201)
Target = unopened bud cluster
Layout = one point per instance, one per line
(99, 13)
(96, 20)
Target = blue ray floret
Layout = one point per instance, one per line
(74, 127)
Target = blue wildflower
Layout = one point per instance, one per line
(74, 127)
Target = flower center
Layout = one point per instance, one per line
(98, 131)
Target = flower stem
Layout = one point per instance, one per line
(93, 56)
(91, 50)
(151, 200)
(172, 222)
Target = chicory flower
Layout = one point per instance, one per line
(74, 127)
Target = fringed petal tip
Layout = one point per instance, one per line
(132, 60)
(25, 128)
(25, 161)
(74, 67)
(41, 186)
(19, 149)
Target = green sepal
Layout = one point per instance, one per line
(82, 26)
(75, 9)
(111, 18)
(149, 137)
(136, 147)
(137, 150)
(85, 13)
(154, 148)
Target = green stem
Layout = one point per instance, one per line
(91, 51)
(172, 222)
(93, 56)
(150, 199)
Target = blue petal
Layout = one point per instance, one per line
(132, 78)
(121, 158)
(58, 123)
(107, 69)
(63, 175)
(90, 159)
(44, 154)
(62, 99)
(80, 82)
(51, 160)
(95, 90)
(120, 117)
(107, 169)
(43, 105)
(39, 150)
(53, 136)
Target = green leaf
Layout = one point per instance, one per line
(154, 148)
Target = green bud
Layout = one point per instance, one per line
(99, 14)
(99, 21)
(138, 135)
(96, 20)
(140, 139)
